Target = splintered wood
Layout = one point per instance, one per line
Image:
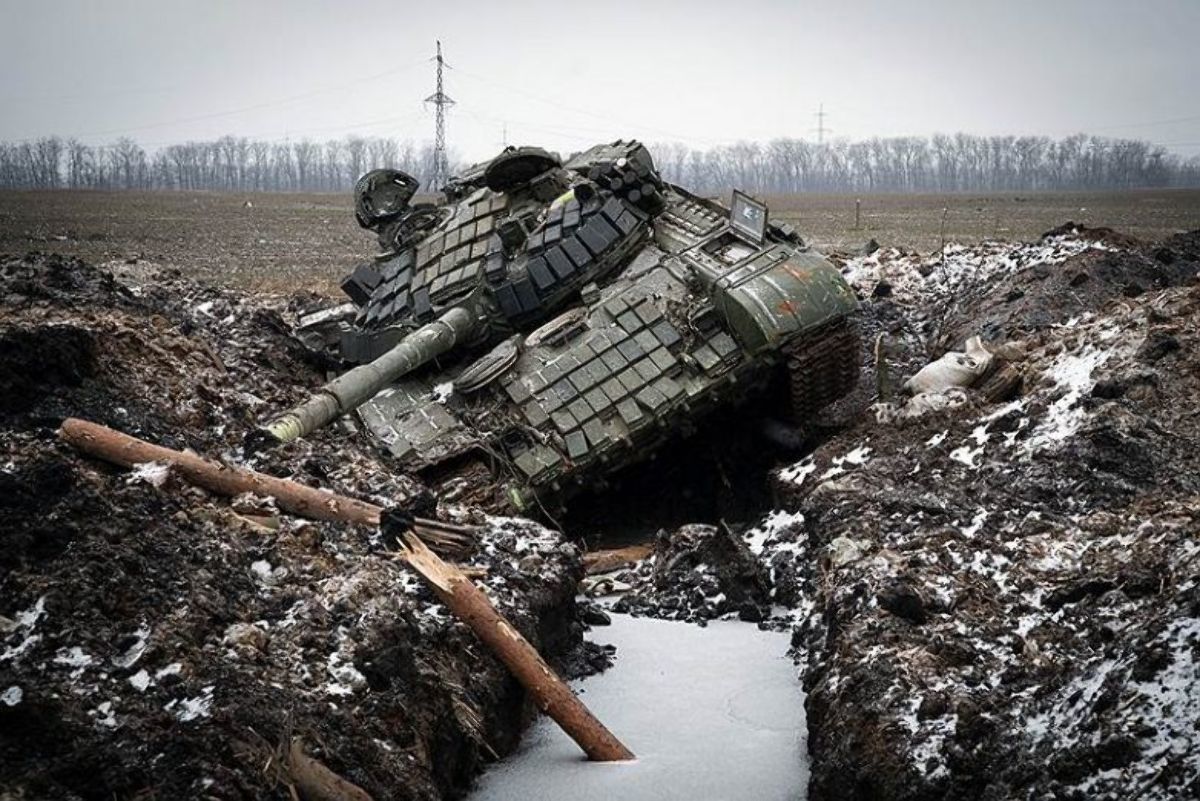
(316, 782)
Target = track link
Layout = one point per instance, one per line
(822, 366)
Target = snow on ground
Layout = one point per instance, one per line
(940, 276)
(712, 713)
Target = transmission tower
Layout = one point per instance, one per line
(821, 129)
(441, 167)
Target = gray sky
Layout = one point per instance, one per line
(567, 74)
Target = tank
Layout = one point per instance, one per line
(547, 323)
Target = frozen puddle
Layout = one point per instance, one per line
(712, 713)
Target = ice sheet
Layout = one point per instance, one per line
(713, 713)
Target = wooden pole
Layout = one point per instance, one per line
(883, 386)
(605, 561)
(549, 692)
(318, 504)
(945, 213)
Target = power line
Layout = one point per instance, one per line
(1145, 124)
(241, 110)
(605, 116)
(441, 168)
(348, 128)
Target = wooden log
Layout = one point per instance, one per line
(317, 504)
(613, 559)
(549, 692)
(316, 782)
(126, 451)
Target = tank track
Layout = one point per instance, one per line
(822, 366)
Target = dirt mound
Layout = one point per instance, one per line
(1002, 290)
(698, 573)
(1043, 295)
(1101, 234)
(155, 641)
(1001, 600)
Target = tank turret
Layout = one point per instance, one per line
(518, 240)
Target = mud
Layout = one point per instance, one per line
(997, 599)
(1000, 601)
(994, 599)
(157, 642)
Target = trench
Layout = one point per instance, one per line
(714, 711)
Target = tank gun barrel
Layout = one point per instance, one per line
(352, 389)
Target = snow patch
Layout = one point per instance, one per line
(74, 657)
(189, 709)
(135, 651)
(799, 471)
(104, 715)
(976, 524)
(778, 520)
(153, 473)
(28, 618)
(966, 455)
(1071, 373)
(173, 669)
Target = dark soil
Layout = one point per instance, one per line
(1004, 598)
(157, 642)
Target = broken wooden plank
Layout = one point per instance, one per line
(316, 782)
(605, 561)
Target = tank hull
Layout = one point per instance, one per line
(613, 327)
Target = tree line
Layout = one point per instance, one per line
(941, 163)
(945, 163)
(226, 164)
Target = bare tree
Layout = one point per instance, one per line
(306, 158)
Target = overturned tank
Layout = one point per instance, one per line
(547, 323)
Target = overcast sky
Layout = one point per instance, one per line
(566, 74)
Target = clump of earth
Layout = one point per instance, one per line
(698, 573)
